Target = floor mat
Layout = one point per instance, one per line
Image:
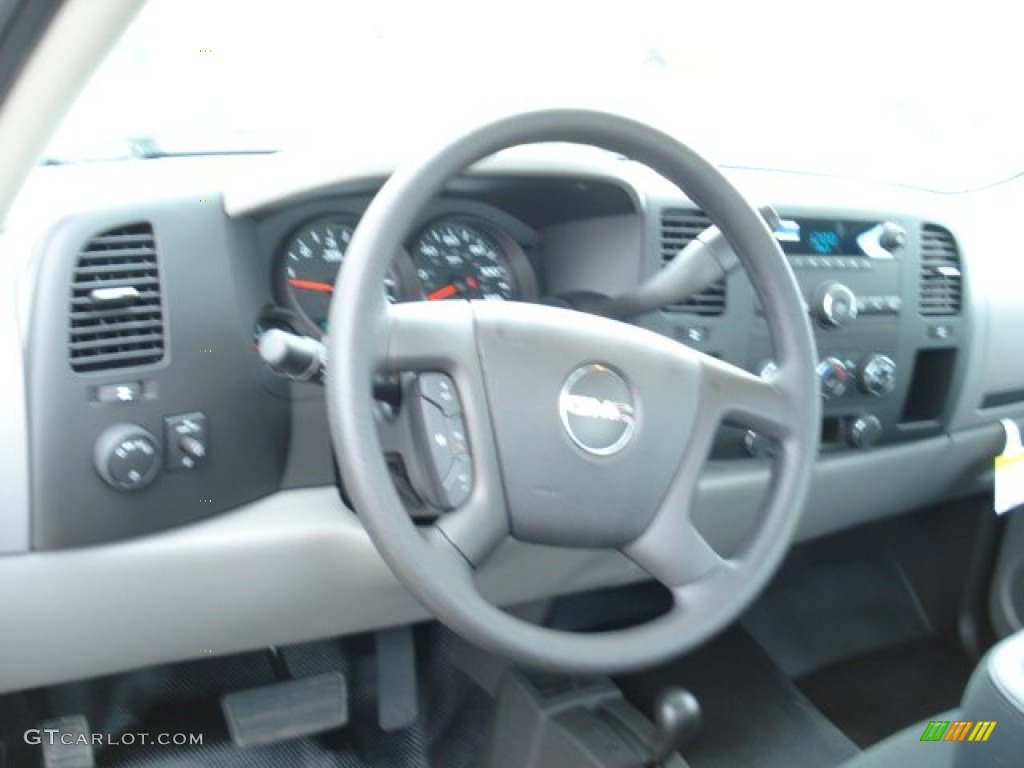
(184, 699)
(753, 714)
(877, 694)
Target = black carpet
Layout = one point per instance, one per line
(874, 695)
(185, 698)
(753, 714)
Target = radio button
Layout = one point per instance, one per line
(835, 305)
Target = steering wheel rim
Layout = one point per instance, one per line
(436, 563)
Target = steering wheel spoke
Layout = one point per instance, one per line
(422, 336)
(742, 398)
(447, 441)
(674, 552)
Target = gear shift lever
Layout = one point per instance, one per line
(677, 720)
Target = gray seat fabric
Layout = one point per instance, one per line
(906, 750)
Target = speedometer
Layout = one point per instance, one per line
(458, 259)
(309, 264)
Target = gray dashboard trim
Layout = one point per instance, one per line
(298, 565)
(14, 463)
(289, 177)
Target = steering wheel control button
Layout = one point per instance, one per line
(878, 376)
(457, 434)
(439, 438)
(597, 409)
(833, 378)
(439, 389)
(126, 457)
(185, 441)
(459, 483)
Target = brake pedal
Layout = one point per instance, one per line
(287, 710)
(66, 743)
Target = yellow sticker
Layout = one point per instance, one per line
(1009, 479)
(1005, 462)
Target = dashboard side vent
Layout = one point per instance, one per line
(679, 226)
(116, 318)
(941, 276)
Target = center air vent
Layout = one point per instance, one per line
(679, 226)
(940, 272)
(116, 317)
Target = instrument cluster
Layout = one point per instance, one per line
(451, 257)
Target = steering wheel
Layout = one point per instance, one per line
(582, 431)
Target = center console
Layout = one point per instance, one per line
(884, 295)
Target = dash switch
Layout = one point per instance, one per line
(184, 441)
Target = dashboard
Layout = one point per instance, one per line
(161, 442)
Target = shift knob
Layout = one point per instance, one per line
(677, 720)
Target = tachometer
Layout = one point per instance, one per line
(458, 259)
(310, 260)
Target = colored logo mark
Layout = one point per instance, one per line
(958, 730)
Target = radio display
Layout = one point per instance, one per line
(827, 237)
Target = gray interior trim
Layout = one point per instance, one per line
(298, 566)
(289, 568)
(850, 489)
(14, 466)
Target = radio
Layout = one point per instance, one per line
(851, 274)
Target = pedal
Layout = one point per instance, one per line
(397, 690)
(66, 743)
(286, 710)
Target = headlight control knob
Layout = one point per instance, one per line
(834, 304)
(127, 457)
(878, 376)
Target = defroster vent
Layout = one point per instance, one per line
(116, 314)
(941, 277)
(679, 226)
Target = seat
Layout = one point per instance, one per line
(905, 749)
(995, 694)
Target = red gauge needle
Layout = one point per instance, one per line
(472, 282)
(310, 285)
(445, 292)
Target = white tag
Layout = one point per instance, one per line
(1010, 471)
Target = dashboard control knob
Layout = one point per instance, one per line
(834, 305)
(878, 376)
(759, 446)
(892, 237)
(298, 357)
(192, 447)
(865, 430)
(833, 377)
(127, 457)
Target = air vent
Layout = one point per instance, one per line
(679, 226)
(941, 277)
(116, 317)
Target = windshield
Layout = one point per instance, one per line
(919, 93)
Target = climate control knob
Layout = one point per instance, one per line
(865, 431)
(878, 376)
(834, 305)
(127, 457)
(833, 377)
